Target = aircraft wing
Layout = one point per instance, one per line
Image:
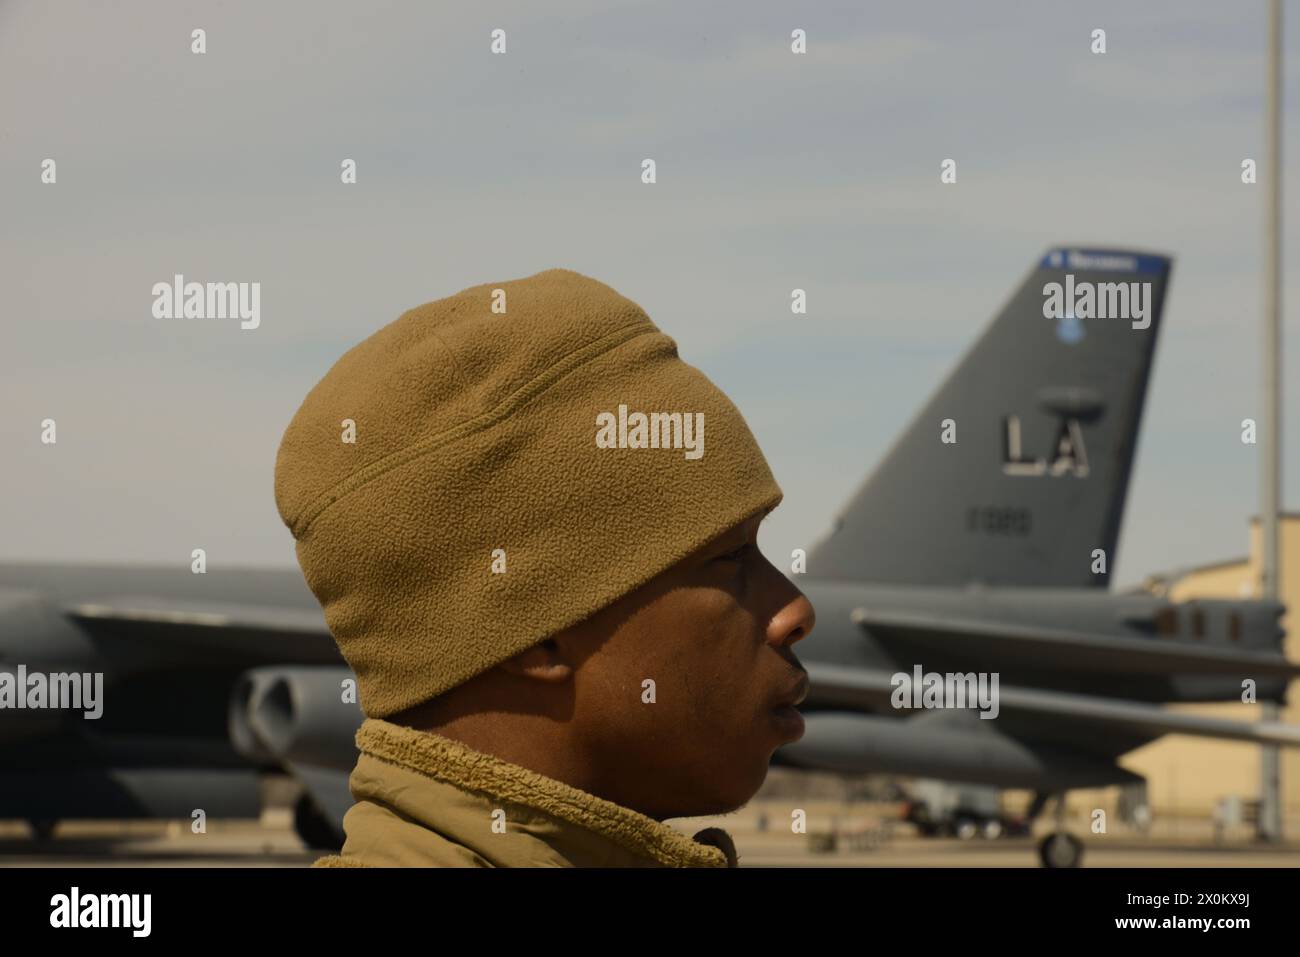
(839, 686)
(136, 632)
(1061, 647)
(227, 629)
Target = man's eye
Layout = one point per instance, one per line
(736, 555)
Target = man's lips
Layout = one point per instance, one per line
(796, 694)
(785, 713)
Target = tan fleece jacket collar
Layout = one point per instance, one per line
(455, 789)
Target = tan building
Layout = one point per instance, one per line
(1186, 776)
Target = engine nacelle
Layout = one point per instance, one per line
(295, 715)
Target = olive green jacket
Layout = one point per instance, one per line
(424, 800)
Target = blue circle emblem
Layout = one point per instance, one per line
(1069, 329)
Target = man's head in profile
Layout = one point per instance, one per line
(545, 579)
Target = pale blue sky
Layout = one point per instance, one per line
(775, 171)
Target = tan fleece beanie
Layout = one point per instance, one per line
(463, 484)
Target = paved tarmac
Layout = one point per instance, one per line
(868, 837)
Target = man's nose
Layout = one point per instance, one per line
(793, 622)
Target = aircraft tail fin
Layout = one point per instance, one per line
(1016, 470)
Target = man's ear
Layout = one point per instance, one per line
(546, 661)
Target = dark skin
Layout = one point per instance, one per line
(714, 632)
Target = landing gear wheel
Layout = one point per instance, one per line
(991, 829)
(1060, 849)
(313, 828)
(43, 828)
(965, 828)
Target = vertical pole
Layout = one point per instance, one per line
(1270, 785)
